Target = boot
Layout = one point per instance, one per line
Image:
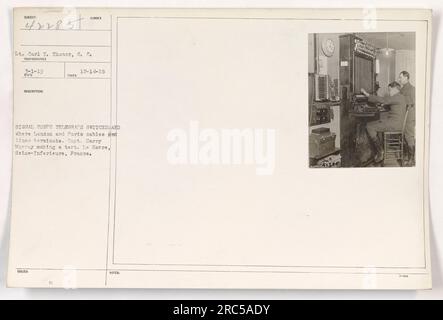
(411, 155)
(380, 153)
(407, 157)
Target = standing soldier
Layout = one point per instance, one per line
(408, 91)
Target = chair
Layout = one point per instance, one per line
(394, 143)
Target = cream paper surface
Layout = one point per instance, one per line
(103, 206)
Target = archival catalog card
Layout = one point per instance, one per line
(220, 148)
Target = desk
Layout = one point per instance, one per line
(357, 148)
(363, 146)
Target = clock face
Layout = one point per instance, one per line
(328, 47)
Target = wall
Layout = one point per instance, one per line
(330, 66)
(327, 65)
(392, 65)
(387, 72)
(405, 61)
(311, 55)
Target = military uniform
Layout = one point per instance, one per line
(408, 91)
(389, 121)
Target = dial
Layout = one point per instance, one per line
(328, 47)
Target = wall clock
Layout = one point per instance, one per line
(328, 47)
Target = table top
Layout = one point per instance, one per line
(367, 114)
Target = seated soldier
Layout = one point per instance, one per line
(389, 121)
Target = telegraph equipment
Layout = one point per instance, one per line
(321, 142)
(321, 87)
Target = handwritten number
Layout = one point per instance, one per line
(58, 25)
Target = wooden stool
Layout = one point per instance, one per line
(394, 143)
(393, 146)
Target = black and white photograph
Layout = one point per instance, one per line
(362, 99)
